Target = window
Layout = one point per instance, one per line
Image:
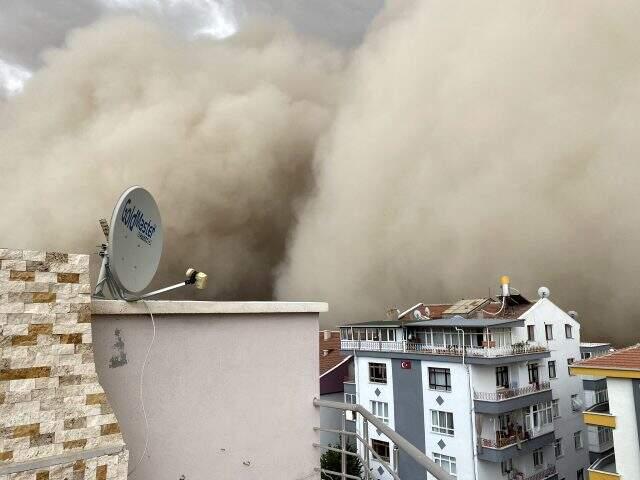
(506, 466)
(380, 410)
(576, 404)
(377, 373)
(531, 336)
(346, 334)
(538, 458)
(555, 408)
(381, 448)
(502, 377)
(350, 398)
(541, 415)
(552, 368)
(605, 435)
(442, 422)
(387, 334)
(577, 440)
(580, 474)
(440, 379)
(568, 331)
(602, 395)
(569, 363)
(557, 447)
(548, 331)
(534, 377)
(585, 355)
(447, 463)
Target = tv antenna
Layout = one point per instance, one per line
(133, 247)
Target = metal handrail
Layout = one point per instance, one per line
(419, 457)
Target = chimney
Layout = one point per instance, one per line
(504, 283)
(327, 334)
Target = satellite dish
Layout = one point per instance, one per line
(417, 315)
(543, 292)
(131, 256)
(135, 240)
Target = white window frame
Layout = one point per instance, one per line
(577, 440)
(602, 395)
(447, 463)
(575, 402)
(548, 331)
(376, 379)
(552, 363)
(538, 458)
(605, 435)
(442, 422)
(568, 330)
(557, 447)
(350, 398)
(555, 408)
(386, 458)
(380, 410)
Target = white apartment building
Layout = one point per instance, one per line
(482, 386)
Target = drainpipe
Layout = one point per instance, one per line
(472, 409)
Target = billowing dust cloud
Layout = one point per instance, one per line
(477, 139)
(222, 133)
(464, 140)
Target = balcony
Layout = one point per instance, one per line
(474, 354)
(508, 444)
(604, 468)
(599, 415)
(545, 474)
(509, 399)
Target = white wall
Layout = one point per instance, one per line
(546, 312)
(366, 393)
(228, 395)
(456, 401)
(625, 435)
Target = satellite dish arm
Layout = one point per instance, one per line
(193, 277)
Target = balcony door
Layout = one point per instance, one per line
(534, 374)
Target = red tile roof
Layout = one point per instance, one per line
(333, 356)
(510, 311)
(625, 359)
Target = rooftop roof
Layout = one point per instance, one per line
(623, 359)
(467, 312)
(333, 358)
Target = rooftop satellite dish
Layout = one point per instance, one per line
(543, 292)
(131, 256)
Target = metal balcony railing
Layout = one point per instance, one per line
(400, 443)
(507, 393)
(411, 347)
(518, 434)
(541, 475)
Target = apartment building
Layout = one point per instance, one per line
(481, 385)
(596, 397)
(618, 414)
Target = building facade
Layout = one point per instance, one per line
(618, 414)
(481, 386)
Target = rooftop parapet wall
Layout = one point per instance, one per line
(55, 419)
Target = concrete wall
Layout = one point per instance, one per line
(228, 387)
(625, 435)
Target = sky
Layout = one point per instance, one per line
(29, 27)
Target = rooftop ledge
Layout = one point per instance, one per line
(120, 307)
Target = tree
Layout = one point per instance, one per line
(331, 460)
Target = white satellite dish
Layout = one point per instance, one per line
(131, 256)
(543, 292)
(135, 240)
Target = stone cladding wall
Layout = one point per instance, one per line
(55, 419)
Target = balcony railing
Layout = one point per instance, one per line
(504, 439)
(410, 347)
(399, 442)
(541, 475)
(507, 393)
